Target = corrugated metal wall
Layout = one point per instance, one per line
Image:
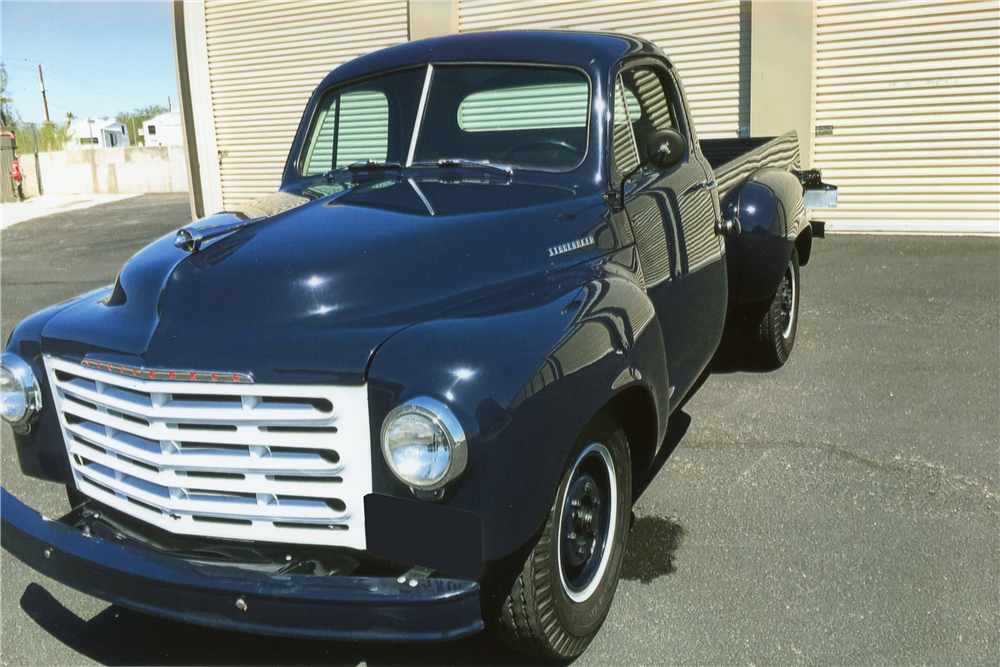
(911, 93)
(264, 60)
(703, 39)
(909, 89)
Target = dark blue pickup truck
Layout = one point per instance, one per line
(407, 395)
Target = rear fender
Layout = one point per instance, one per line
(771, 215)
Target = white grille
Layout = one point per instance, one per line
(277, 463)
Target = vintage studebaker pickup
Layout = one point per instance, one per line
(407, 395)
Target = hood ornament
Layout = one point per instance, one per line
(191, 238)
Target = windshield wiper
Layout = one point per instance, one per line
(467, 164)
(361, 166)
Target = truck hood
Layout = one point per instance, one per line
(325, 275)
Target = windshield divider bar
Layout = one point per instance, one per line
(420, 114)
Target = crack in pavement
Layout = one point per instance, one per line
(897, 466)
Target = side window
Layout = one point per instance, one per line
(649, 105)
(658, 112)
(352, 127)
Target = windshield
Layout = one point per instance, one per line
(516, 116)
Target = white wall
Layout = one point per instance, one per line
(108, 171)
(781, 71)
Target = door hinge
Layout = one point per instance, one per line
(612, 200)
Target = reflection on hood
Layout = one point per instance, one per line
(321, 281)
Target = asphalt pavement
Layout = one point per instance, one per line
(841, 510)
(38, 207)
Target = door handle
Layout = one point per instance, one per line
(703, 185)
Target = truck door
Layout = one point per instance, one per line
(674, 220)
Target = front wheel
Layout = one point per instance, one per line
(772, 325)
(562, 596)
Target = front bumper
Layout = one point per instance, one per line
(293, 605)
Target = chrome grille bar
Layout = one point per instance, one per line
(276, 463)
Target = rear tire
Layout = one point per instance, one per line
(771, 326)
(564, 592)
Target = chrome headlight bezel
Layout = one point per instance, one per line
(21, 371)
(442, 418)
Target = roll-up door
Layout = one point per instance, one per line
(908, 114)
(701, 38)
(264, 61)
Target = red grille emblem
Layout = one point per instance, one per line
(175, 375)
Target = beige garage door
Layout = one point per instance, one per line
(908, 114)
(701, 38)
(264, 60)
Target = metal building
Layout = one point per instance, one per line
(897, 102)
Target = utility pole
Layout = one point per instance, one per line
(170, 107)
(38, 168)
(41, 82)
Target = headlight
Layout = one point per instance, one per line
(20, 395)
(424, 444)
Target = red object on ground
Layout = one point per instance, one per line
(15, 169)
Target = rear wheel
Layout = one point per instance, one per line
(562, 596)
(773, 330)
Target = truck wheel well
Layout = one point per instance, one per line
(803, 244)
(635, 411)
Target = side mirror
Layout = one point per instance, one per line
(665, 148)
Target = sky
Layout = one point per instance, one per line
(98, 58)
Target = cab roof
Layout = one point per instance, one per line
(590, 51)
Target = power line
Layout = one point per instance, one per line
(63, 77)
(89, 86)
(8, 65)
(58, 72)
(68, 78)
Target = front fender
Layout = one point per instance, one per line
(523, 371)
(40, 451)
(769, 208)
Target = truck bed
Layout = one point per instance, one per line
(733, 160)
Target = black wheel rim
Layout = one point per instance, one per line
(587, 522)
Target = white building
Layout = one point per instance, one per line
(97, 133)
(163, 130)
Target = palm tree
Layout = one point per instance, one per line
(70, 116)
